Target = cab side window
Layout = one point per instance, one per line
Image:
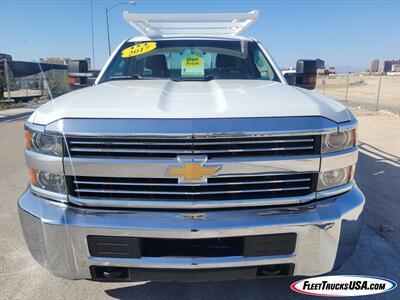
(262, 65)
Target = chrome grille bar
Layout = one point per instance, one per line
(217, 189)
(191, 184)
(130, 143)
(189, 193)
(185, 151)
(197, 204)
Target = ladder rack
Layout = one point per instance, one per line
(159, 25)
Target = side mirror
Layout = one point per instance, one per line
(305, 76)
(78, 80)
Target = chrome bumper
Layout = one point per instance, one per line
(56, 234)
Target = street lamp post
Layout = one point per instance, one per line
(108, 26)
(91, 22)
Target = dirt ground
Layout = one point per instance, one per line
(363, 90)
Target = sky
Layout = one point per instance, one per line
(345, 33)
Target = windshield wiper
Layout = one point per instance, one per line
(130, 77)
(185, 78)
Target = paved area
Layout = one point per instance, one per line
(17, 113)
(378, 252)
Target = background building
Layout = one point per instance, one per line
(387, 65)
(63, 60)
(396, 66)
(55, 60)
(374, 65)
(320, 63)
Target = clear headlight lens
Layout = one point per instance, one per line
(334, 178)
(338, 141)
(44, 143)
(47, 181)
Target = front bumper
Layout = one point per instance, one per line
(56, 234)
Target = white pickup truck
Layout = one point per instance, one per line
(191, 159)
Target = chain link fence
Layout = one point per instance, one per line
(34, 86)
(357, 91)
(364, 91)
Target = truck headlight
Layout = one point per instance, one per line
(338, 141)
(43, 143)
(47, 181)
(334, 178)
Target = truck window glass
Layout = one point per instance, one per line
(216, 59)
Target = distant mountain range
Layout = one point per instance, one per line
(342, 69)
(347, 69)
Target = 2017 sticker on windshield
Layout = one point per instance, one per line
(138, 49)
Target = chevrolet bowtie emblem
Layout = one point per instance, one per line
(192, 169)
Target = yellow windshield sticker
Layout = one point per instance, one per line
(193, 62)
(138, 49)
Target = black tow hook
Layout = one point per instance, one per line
(112, 274)
(269, 270)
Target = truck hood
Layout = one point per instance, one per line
(190, 99)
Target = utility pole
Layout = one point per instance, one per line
(91, 19)
(347, 86)
(379, 91)
(108, 33)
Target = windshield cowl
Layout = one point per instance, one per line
(182, 78)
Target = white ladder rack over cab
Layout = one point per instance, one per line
(159, 25)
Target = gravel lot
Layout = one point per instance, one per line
(362, 90)
(378, 252)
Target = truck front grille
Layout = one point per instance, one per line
(219, 188)
(213, 147)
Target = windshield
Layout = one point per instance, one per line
(182, 60)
